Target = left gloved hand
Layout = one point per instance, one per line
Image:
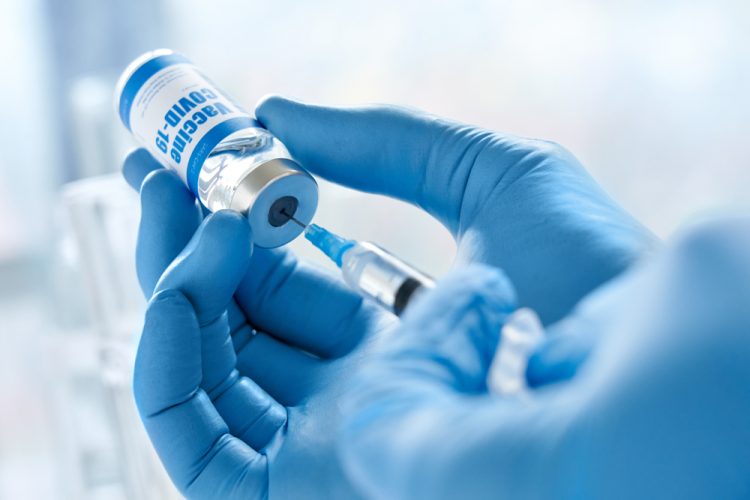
(659, 409)
(243, 356)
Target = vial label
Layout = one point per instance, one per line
(178, 113)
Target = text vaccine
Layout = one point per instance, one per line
(226, 158)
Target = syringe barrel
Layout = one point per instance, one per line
(379, 275)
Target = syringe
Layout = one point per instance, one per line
(370, 270)
(381, 276)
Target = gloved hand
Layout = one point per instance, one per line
(526, 206)
(659, 409)
(522, 204)
(242, 357)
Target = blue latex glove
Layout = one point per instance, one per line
(526, 205)
(659, 410)
(242, 356)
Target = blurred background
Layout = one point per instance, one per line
(651, 95)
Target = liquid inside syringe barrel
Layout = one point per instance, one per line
(382, 277)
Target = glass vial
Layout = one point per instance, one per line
(226, 158)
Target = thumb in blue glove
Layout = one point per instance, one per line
(419, 415)
(658, 410)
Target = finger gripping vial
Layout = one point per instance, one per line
(226, 158)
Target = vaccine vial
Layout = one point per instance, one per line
(226, 158)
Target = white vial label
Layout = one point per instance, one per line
(177, 113)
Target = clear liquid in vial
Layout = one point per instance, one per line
(231, 160)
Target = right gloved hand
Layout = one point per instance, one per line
(659, 410)
(526, 206)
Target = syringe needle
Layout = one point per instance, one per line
(332, 245)
(293, 219)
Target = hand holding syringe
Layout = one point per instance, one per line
(508, 201)
(380, 276)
